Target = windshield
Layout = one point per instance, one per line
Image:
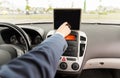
(30, 11)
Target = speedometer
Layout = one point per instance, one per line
(22, 41)
(13, 39)
(37, 39)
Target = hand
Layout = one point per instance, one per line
(64, 29)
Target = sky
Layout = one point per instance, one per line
(91, 4)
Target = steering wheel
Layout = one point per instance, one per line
(10, 51)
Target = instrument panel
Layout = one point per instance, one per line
(10, 36)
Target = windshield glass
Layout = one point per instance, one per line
(30, 11)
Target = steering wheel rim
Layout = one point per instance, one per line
(20, 31)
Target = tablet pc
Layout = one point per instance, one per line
(72, 16)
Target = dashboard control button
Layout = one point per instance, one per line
(75, 66)
(63, 65)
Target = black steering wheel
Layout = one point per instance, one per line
(10, 51)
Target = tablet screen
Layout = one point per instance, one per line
(72, 16)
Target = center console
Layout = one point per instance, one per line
(72, 59)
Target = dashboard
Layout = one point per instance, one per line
(103, 41)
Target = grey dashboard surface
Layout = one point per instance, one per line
(103, 39)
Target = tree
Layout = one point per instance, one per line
(49, 10)
(0, 4)
(27, 8)
(84, 10)
(101, 9)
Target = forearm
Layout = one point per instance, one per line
(41, 62)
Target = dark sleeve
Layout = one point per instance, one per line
(41, 62)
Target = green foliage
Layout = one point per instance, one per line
(27, 8)
(84, 10)
(92, 12)
(49, 10)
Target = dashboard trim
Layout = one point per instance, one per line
(113, 63)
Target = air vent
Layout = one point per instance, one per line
(82, 49)
(82, 38)
(49, 36)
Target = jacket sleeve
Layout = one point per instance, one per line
(40, 62)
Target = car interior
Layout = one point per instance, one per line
(93, 47)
